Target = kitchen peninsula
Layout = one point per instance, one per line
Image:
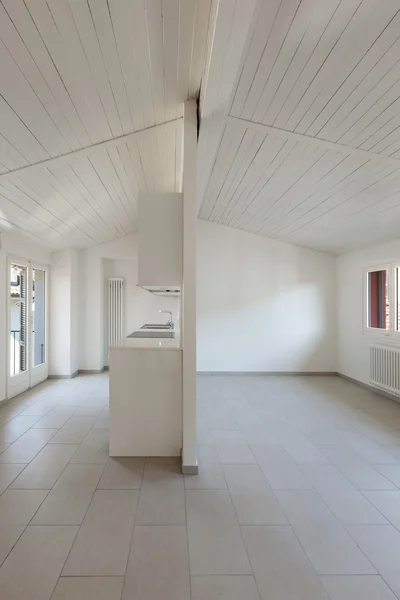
(146, 395)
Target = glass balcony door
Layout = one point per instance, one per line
(39, 283)
(27, 325)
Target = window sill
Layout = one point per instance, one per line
(391, 338)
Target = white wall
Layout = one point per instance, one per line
(263, 305)
(353, 344)
(17, 246)
(60, 314)
(140, 306)
(91, 298)
(75, 309)
(115, 259)
(91, 338)
(3, 322)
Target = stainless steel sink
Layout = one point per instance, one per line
(163, 326)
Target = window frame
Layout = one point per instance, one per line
(377, 332)
(396, 309)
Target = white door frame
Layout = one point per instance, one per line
(40, 372)
(20, 382)
(16, 384)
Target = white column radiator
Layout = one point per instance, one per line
(115, 309)
(385, 368)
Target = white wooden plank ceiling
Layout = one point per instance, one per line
(74, 74)
(229, 25)
(90, 197)
(310, 150)
(300, 130)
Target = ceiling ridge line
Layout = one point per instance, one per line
(86, 149)
(313, 140)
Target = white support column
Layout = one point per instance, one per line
(92, 318)
(64, 307)
(189, 451)
(3, 323)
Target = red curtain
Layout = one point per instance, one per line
(377, 299)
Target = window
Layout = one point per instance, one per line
(18, 319)
(382, 301)
(397, 299)
(378, 299)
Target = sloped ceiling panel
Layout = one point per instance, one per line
(229, 26)
(309, 148)
(271, 184)
(78, 78)
(90, 197)
(325, 69)
(77, 72)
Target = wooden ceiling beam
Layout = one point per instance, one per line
(315, 141)
(86, 150)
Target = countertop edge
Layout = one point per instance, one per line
(157, 348)
(147, 343)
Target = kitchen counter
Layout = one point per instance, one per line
(149, 343)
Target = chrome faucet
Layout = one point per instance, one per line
(170, 322)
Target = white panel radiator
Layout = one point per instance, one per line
(115, 309)
(385, 368)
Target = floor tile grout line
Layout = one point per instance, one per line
(377, 570)
(187, 541)
(90, 576)
(30, 462)
(38, 452)
(55, 483)
(23, 433)
(79, 526)
(355, 489)
(62, 567)
(9, 404)
(133, 528)
(60, 475)
(57, 405)
(293, 529)
(66, 424)
(340, 524)
(25, 528)
(367, 464)
(241, 533)
(47, 444)
(11, 482)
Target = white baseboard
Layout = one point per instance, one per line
(370, 388)
(275, 373)
(79, 372)
(74, 374)
(190, 469)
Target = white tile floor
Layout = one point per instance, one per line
(298, 497)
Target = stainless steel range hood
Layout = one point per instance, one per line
(159, 290)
